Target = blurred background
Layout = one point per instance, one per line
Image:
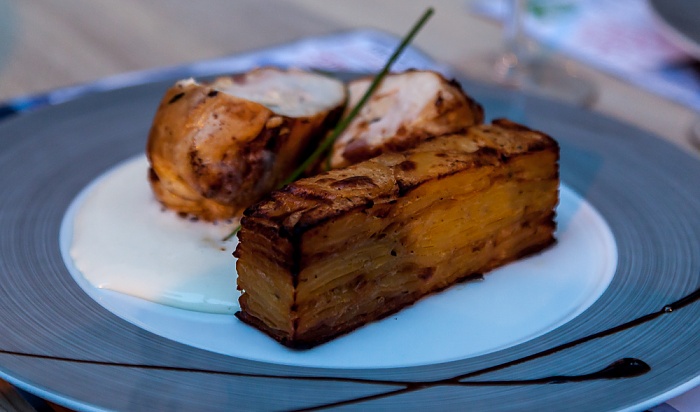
(639, 76)
(46, 44)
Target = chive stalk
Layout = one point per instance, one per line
(345, 122)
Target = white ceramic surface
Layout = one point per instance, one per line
(513, 304)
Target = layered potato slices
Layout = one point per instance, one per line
(329, 253)
(421, 193)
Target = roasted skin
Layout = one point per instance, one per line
(329, 253)
(216, 148)
(406, 109)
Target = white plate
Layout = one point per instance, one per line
(60, 343)
(476, 317)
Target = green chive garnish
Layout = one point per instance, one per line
(345, 122)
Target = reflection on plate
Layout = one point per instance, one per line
(512, 305)
(67, 347)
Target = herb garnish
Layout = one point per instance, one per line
(345, 122)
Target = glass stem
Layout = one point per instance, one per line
(514, 43)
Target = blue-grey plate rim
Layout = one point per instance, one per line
(643, 186)
(678, 23)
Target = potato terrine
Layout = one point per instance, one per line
(327, 254)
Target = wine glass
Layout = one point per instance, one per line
(519, 66)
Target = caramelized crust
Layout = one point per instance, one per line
(329, 253)
(216, 148)
(407, 108)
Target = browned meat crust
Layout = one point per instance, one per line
(214, 153)
(407, 108)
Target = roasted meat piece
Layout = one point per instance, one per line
(406, 109)
(329, 253)
(216, 148)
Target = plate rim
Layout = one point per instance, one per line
(3, 125)
(674, 34)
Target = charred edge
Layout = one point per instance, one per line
(275, 256)
(490, 151)
(272, 143)
(301, 227)
(303, 193)
(509, 124)
(214, 188)
(254, 166)
(251, 210)
(260, 325)
(237, 252)
(455, 83)
(332, 118)
(295, 266)
(312, 339)
(195, 162)
(404, 188)
(426, 273)
(439, 101)
(406, 142)
(152, 176)
(532, 249)
(543, 144)
(353, 182)
(358, 150)
(212, 93)
(176, 98)
(475, 106)
(262, 142)
(278, 198)
(329, 123)
(381, 211)
(251, 225)
(545, 141)
(294, 270)
(272, 138)
(407, 165)
(286, 231)
(470, 277)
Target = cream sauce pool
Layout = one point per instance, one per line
(124, 240)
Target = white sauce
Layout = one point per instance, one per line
(123, 240)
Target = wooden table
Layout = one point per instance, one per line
(48, 44)
(44, 44)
